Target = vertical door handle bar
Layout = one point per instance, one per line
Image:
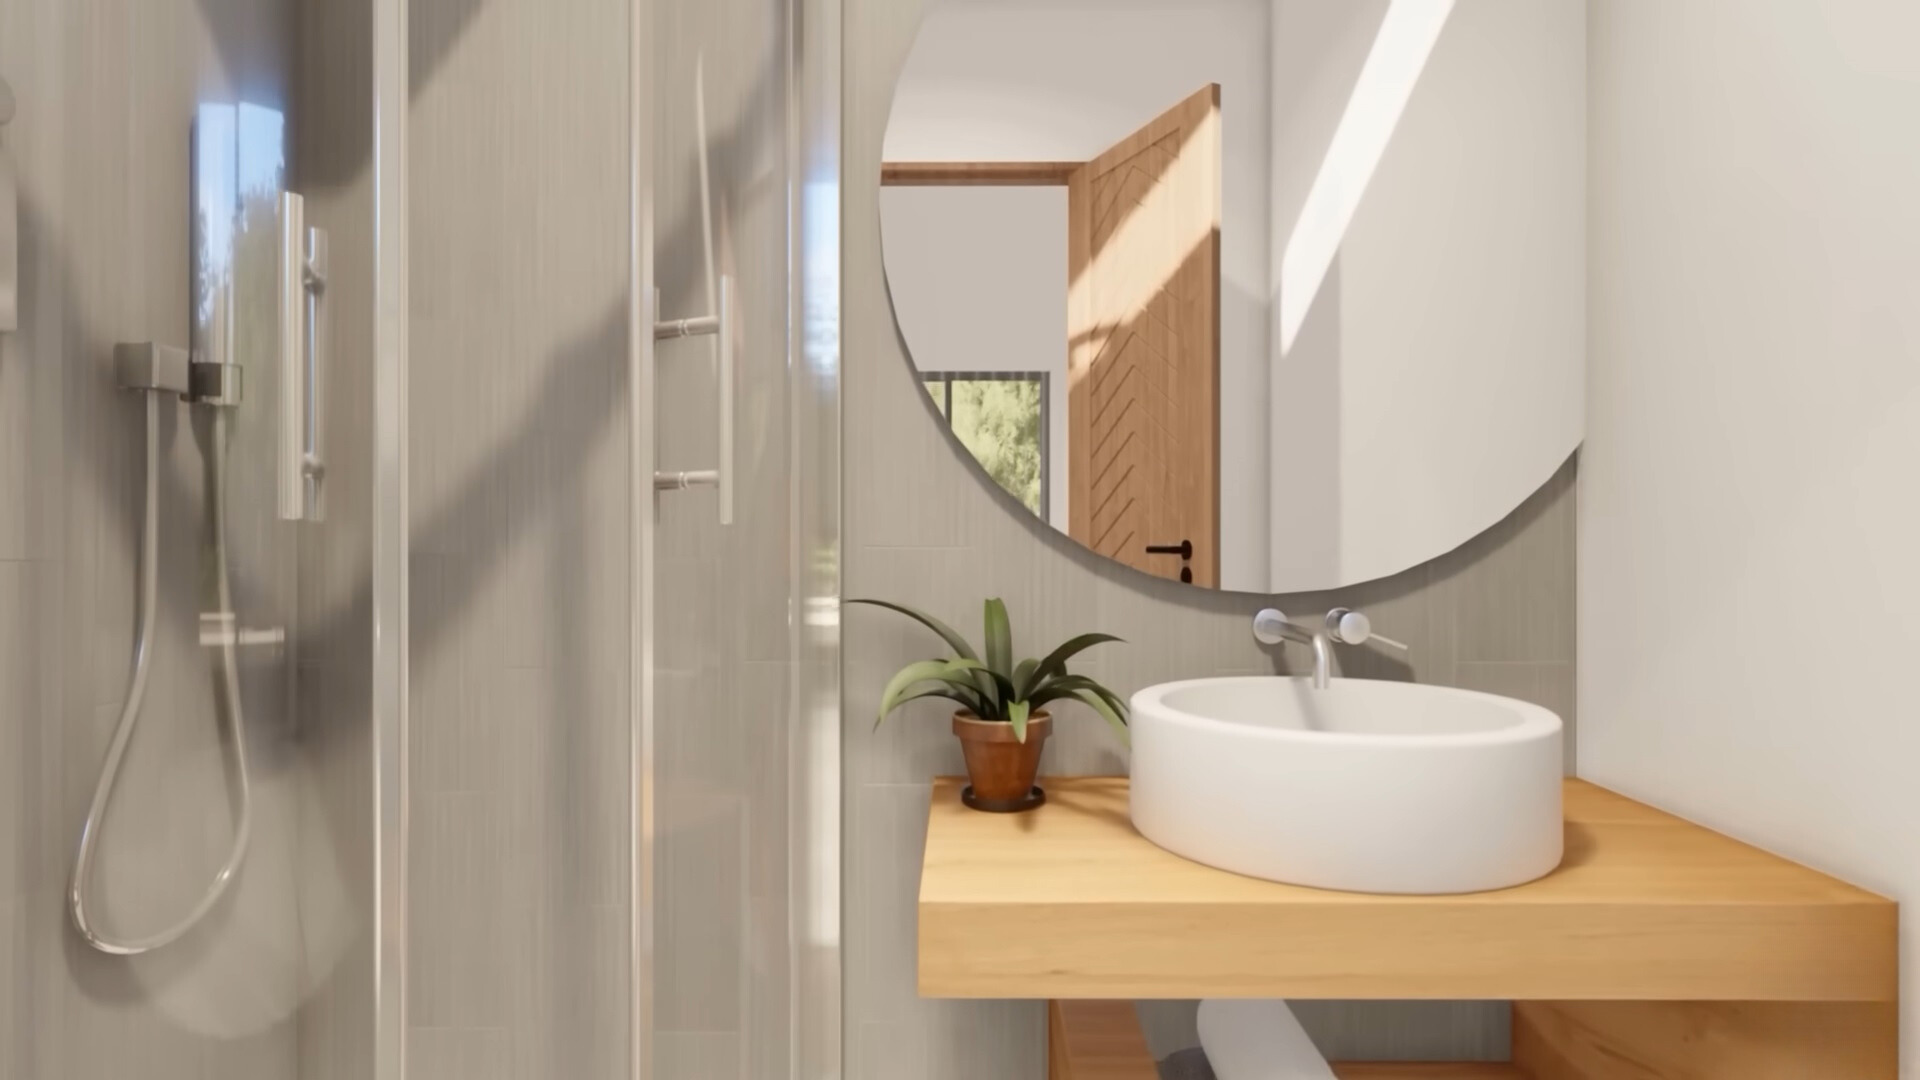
(726, 399)
(303, 340)
(720, 323)
(9, 227)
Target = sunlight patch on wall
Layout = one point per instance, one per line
(1399, 55)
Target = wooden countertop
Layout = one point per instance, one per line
(1070, 902)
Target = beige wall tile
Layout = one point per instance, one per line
(1550, 686)
(970, 1039)
(471, 946)
(469, 1053)
(701, 980)
(699, 1055)
(1407, 1030)
(886, 837)
(886, 1050)
(1512, 587)
(1354, 1031)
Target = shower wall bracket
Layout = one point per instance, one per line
(150, 366)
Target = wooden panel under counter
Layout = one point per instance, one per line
(1068, 901)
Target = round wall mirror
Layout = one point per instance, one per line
(1264, 295)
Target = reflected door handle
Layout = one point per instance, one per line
(1184, 549)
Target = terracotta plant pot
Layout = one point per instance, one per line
(1002, 769)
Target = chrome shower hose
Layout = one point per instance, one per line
(136, 697)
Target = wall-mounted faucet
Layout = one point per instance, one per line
(1344, 625)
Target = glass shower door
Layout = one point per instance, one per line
(609, 548)
(722, 587)
(738, 110)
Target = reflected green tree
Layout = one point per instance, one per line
(998, 421)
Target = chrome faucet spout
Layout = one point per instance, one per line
(1344, 625)
(1271, 627)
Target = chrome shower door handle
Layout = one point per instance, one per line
(292, 348)
(9, 227)
(726, 402)
(302, 348)
(313, 462)
(719, 324)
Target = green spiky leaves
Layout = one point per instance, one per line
(997, 688)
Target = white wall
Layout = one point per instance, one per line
(1063, 80)
(979, 283)
(1437, 379)
(1750, 491)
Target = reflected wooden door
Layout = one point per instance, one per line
(1143, 361)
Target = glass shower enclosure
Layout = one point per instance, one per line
(418, 539)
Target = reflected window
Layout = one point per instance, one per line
(1001, 418)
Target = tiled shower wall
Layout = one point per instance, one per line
(922, 527)
(107, 92)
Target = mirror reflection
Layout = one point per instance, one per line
(1269, 295)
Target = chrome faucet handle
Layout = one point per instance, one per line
(1354, 628)
(1271, 626)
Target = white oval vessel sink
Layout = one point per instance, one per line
(1380, 787)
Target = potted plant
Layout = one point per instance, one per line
(1002, 721)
